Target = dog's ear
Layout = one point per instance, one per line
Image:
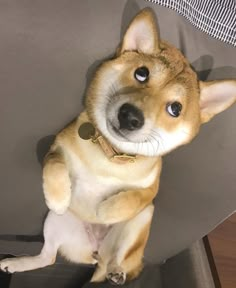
(142, 34)
(215, 97)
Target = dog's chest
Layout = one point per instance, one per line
(90, 188)
(95, 178)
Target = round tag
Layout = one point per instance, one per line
(86, 131)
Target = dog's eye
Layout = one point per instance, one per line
(141, 74)
(174, 109)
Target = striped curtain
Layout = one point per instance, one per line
(214, 17)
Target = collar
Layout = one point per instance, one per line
(88, 132)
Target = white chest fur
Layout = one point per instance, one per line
(89, 189)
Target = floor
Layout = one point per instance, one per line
(222, 242)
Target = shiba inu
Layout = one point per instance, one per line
(103, 170)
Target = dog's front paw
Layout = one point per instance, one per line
(9, 265)
(59, 207)
(57, 187)
(116, 276)
(107, 212)
(117, 208)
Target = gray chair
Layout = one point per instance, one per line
(49, 51)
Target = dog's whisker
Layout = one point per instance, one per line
(185, 132)
(152, 139)
(159, 136)
(158, 144)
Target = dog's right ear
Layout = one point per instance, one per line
(142, 34)
(215, 97)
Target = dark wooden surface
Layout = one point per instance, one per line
(222, 242)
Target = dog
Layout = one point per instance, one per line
(103, 170)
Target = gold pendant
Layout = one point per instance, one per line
(86, 131)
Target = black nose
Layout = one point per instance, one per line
(130, 117)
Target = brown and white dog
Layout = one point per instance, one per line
(102, 172)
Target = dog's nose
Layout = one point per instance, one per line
(130, 117)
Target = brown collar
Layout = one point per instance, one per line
(88, 132)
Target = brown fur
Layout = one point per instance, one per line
(55, 176)
(132, 262)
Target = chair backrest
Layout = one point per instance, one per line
(49, 50)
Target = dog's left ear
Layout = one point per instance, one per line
(215, 97)
(142, 35)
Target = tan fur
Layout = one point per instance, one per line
(56, 181)
(130, 202)
(87, 188)
(132, 262)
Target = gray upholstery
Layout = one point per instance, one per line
(188, 269)
(49, 50)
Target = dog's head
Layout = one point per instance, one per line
(148, 100)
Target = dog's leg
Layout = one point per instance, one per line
(26, 263)
(122, 249)
(130, 202)
(64, 233)
(45, 258)
(56, 182)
